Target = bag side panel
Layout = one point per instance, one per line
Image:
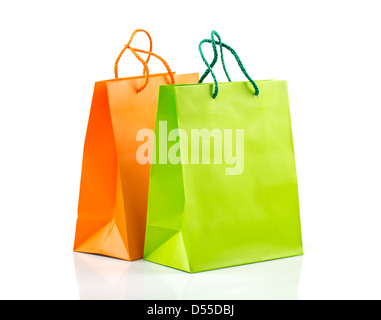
(98, 185)
(166, 236)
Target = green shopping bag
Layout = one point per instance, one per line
(223, 188)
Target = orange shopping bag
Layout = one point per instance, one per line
(114, 185)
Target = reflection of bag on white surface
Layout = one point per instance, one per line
(102, 278)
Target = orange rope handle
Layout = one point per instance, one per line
(170, 73)
(127, 46)
(145, 71)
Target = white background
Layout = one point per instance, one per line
(52, 52)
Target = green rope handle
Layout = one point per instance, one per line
(210, 66)
(214, 33)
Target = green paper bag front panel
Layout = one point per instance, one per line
(198, 216)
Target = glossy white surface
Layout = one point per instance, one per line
(144, 280)
(50, 58)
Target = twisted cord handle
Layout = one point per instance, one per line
(210, 66)
(214, 33)
(144, 62)
(134, 50)
(127, 46)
